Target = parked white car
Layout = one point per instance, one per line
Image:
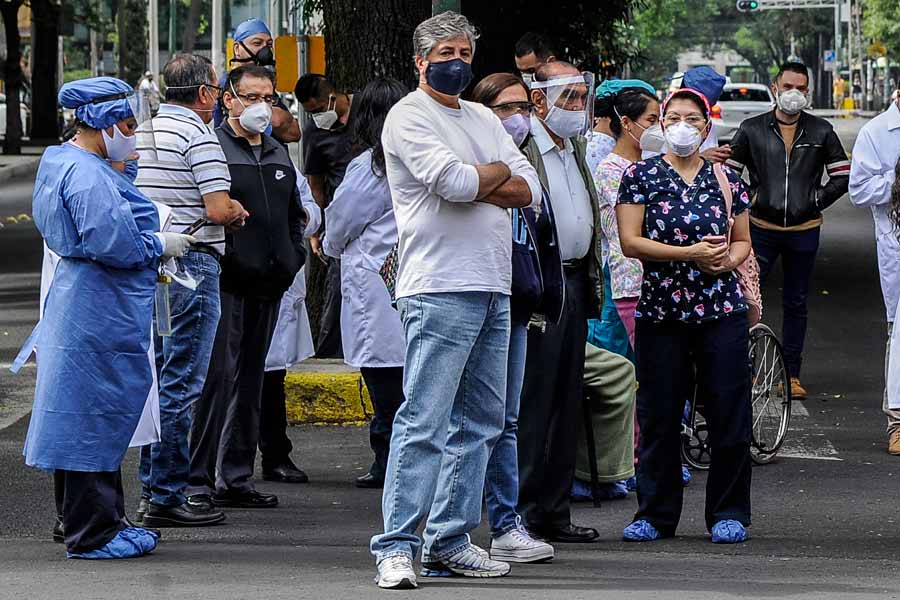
(739, 101)
(23, 111)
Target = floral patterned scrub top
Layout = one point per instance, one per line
(626, 274)
(598, 146)
(679, 214)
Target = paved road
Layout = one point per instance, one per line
(825, 518)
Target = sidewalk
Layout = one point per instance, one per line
(21, 165)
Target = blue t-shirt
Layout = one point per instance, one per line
(678, 214)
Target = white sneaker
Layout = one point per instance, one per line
(473, 561)
(518, 546)
(396, 573)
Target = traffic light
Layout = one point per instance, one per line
(747, 5)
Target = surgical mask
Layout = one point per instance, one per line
(653, 140)
(565, 123)
(792, 102)
(518, 126)
(118, 145)
(326, 119)
(450, 77)
(264, 58)
(256, 117)
(683, 139)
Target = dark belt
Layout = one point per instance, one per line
(206, 250)
(575, 264)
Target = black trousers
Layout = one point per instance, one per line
(550, 410)
(225, 427)
(385, 386)
(274, 443)
(328, 344)
(91, 506)
(667, 355)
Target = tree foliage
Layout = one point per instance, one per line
(881, 23)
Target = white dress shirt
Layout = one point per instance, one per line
(875, 156)
(568, 194)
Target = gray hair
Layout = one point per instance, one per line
(439, 28)
(184, 74)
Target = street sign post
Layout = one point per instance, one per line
(829, 61)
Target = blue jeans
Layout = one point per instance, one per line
(455, 387)
(798, 251)
(181, 363)
(501, 489)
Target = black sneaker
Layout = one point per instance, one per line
(184, 515)
(245, 499)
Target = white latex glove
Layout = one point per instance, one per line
(175, 245)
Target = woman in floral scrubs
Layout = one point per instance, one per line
(691, 324)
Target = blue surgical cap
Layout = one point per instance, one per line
(250, 27)
(611, 87)
(706, 81)
(81, 94)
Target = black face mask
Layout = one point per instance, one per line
(264, 58)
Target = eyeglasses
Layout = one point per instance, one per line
(694, 120)
(256, 98)
(507, 109)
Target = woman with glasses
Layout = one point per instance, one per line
(691, 322)
(536, 288)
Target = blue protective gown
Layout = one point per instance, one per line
(93, 375)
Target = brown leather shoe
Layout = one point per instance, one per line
(894, 443)
(797, 390)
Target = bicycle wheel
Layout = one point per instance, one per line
(695, 451)
(770, 395)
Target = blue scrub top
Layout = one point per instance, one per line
(93, 374)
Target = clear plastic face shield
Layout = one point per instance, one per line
(570, 99)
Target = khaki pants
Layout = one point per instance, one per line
(609, 388)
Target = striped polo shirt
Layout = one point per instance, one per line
(180, 161)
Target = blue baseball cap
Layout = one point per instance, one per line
(250, 27)
(706, 81)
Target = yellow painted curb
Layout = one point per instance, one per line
(326, 398)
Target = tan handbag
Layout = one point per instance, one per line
(748, 271)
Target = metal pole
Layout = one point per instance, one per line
(153, 21)
(837, 38)
(173, 7)
(218, 40)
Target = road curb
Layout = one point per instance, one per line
(327, 398)
(22, 168)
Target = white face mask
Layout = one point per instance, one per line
(256, 117)
(118, 145)
(653, 139)
(565, 123)
(792, 102)
(327, 118)
(683, 139)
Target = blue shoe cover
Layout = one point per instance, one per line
(686, 476)
(128, 543)
(581, 492)
(640, 531)
(631, 484)
(729, 531)
(613, 491)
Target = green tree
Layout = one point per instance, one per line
(131, 27)
(881, 23)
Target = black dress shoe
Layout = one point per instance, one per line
(184, 515)
(143, 505)
(201, 502)
(369, 481)
(285, 473)
(567, 534)
(248, 499)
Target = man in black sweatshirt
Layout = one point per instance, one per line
(259, 264)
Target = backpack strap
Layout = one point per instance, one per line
(725, 186)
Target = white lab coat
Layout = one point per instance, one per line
(292, 340)
(875, 157)
(361, 231)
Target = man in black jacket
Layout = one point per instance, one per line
(259, 264)
(786, 152)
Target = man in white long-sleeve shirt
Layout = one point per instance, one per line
(875, 156)
(453, 171)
